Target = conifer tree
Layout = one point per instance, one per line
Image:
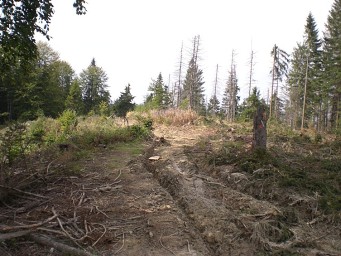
(124, 103)
(278, 71)
(332, 62)
(93, 82)
(193, 90)
(74, 99)
(295, 84)
(306, 90)
(250, 105)
(160, 96)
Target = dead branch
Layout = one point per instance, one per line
(23, 192)
(31, 226)
(4, 253)
(48, 166)
(118, 176)
(169, 250)
(121, 246)
(105, 231)
(6, 236)
(47, 241)
(81, 199)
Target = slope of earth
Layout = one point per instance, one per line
(119, 201)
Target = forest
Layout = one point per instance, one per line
(304, 92)
(82, 173)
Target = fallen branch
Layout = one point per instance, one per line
(23, 192)
(121, 246)
(6, 236)
(118, 176)
(105, 231)
(66, 249)
(31, 226)
(169, 250)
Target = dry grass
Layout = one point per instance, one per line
(175, 117)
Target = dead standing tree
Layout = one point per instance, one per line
(259, 129)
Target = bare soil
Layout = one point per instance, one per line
(121, 204)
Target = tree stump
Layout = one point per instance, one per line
(259, 129)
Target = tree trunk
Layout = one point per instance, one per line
(259, 129)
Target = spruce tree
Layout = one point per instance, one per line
(314, 89)
(124, 103)
(94, 86)
(278, 71)
(332, 62)
(74, 99)
(193, 90)
(295, 84)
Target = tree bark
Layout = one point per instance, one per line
(259, 129)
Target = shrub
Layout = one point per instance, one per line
(13, 143)
(68, 121)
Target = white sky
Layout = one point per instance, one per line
(135, 40)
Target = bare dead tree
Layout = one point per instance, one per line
(179, 82)
(251, 73)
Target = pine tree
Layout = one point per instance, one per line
(160, 96)
(124, 104)
(278, 71)
(94, 86)
(295, 84)
(74, 99)
(306, 91)
(250, 105)
(193, 90)
(213, 107)
(332, 62)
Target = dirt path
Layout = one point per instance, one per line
(124, 205)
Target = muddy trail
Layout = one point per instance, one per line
(166, 201)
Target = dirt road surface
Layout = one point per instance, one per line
(172, 204)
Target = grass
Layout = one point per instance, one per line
(301, 163)
(83, 135)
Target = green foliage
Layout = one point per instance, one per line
(140, 132)
(93, 82)
(14, 142)
(159, 97)
(104, 109)
(20, 21)
(124, 103)
(292, 161)
(213, 106)
(193, 85)
(68, 121)
(249, 106)
(74, 99)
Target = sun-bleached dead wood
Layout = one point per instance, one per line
(47, 241)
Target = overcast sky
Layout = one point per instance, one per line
(135, 40)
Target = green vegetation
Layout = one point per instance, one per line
(20, 140)
(293, 161)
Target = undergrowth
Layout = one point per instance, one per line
(293, 161)
(83, 133)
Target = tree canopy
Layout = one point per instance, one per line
(20, 20)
